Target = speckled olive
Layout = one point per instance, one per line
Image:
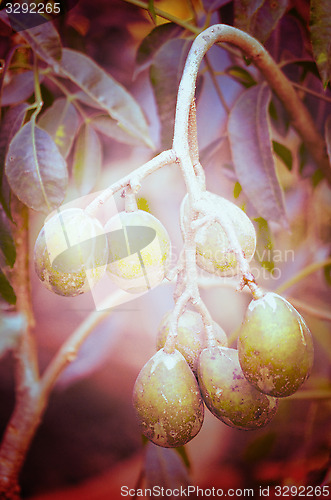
(191, 336)
(275, 346)
(71, 252)
(167, 400)
(228, 394)
(139, 248)
(214, 251)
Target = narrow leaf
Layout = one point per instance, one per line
(6, 290)
(7, 245)
(320, 30)
(164, 74)
(10, 125)
(11, 327)
(241, 75)
(87, 159)
(251, 148)
(61, 121)
(328, 137)
(265, 245)
(110, 128)
(106, 92)
(35, 169)
(165, 468)
(43, 39)
(154, 41)
(283, 153)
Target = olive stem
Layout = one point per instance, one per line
(133, 179)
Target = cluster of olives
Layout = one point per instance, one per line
(241, 387)
(73, 251)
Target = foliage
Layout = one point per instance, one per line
(68, 112)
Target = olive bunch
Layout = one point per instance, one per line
(241, 387)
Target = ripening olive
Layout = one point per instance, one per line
(275, 346)
(71, 252)
(227, 393)
(167, 400)
(139, 248)
(213, 249)
(191, 336)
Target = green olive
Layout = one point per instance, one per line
(214, 251)
(139, 247)
(275, 346)
(71, 252)
(167, 400)
(191, 336)
(227, 393)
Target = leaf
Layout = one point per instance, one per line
(87, 159)
(10, 125)
(241, 75)
(35, 169)
(244, 11)
(43, 39)
(61, 122)
(7, 245)
(6, 290)
(259, 17)
(11, 327)
(283, 153)
(265, 245)
(18, 89)
(106, 92)
(164, 468)
(328, 137)
(266, 18)
(165, 73)
(252, 155)
(110, 128)
(154, 41)
(278, 115)
(320, 31)
(237, 190)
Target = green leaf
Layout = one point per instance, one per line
(278, 115)
(6, 290)
(320, 30)
(328, 137)
(252, 155)
(106, 92)
(165, 468)
(154, 41)
(35, 169)
(244, 11)
(43, 39)
(11, 327)
(10, 125)
(265, 245)
(237, 189)
(165, 74)
(241, 75)
(87, 159)
(61, 122)
(266, 18)
(110, 128)
(284, 154)
(7, 245)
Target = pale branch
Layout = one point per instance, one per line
(133, 179)
(283, 88)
